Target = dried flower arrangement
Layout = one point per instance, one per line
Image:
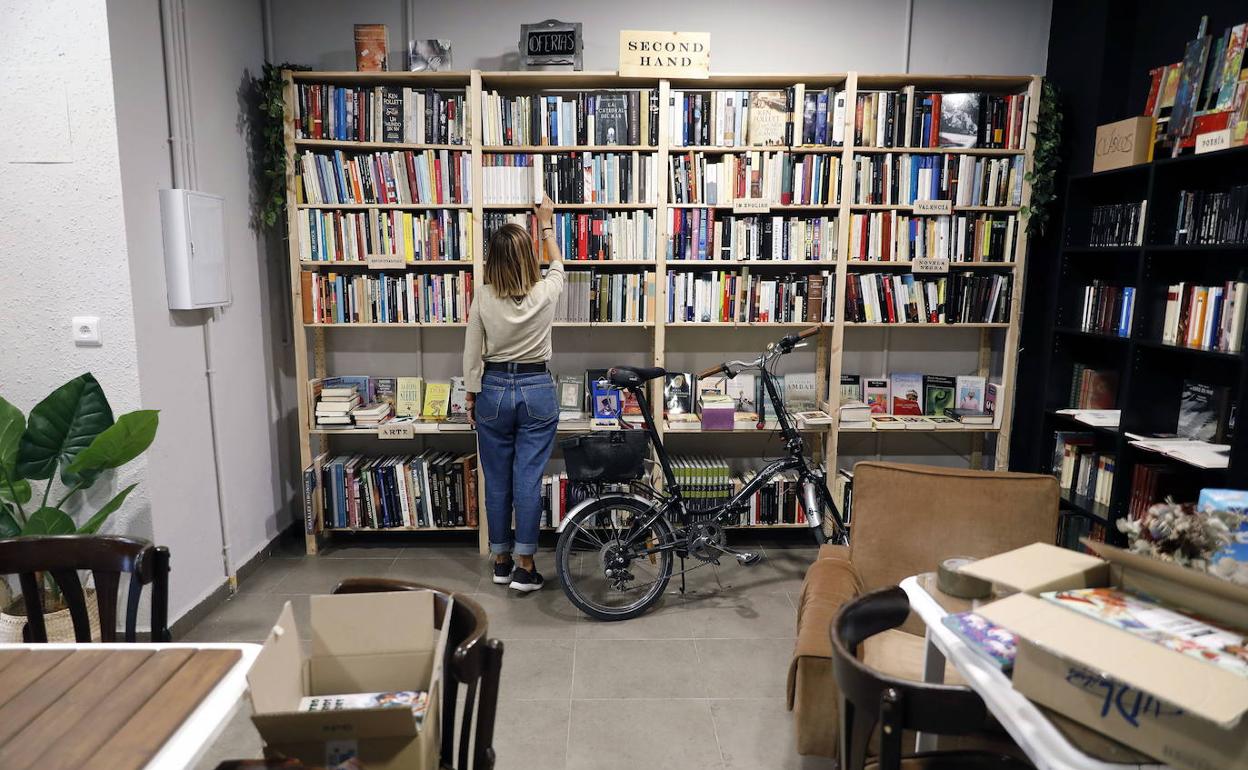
(1180, 533)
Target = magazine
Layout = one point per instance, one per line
(991, 641)
(416, 700)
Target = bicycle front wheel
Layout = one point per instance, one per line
(613, 561)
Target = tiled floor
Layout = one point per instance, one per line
(697, 682)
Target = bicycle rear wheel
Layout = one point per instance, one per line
(607, 562)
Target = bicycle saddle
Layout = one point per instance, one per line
(632, 376)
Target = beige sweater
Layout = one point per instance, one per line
(508, 330)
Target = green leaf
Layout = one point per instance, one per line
(61, 426)
(12, 425)
(118, 444)
(48, 521)
(93, 524)
(20, 486)
(8, 524)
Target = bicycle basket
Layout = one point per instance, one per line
(606, 456)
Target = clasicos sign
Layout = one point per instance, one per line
(665, 54)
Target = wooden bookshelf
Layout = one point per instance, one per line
(994, 345)
(1151, 372)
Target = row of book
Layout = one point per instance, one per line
(708, 481)
(783, 178)
(1207, 217)
(1206, 317)
(1081, 471)
(427, 177)
(380, 114)
(567, 120)
(728, 118)
(684, 393)
(703, 234)
(965, 180)
(560, 496)
(962, 297)
(1072, 528)
(1150, 483)
(598, 235)
(1117, 224)
(338, 400)
(1107, 309)
(354, 236)
(594, 296)
(429, 490)
(910, 393)
(573, 177)
(333, 298)
(910, 118)
(1092, 388)
(723, 296)
(894, 236)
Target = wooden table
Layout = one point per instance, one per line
(1050, 740)
(120, 706)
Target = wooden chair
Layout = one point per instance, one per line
(107, 557)
(896, 705)
(473, 660)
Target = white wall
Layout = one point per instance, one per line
(225, 51)
(62, 246)
(950, 36)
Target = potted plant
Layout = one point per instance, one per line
(71, 431)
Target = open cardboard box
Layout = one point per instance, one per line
(378, 642)
(1180, 709)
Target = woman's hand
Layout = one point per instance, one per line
(471, 404)
(545, 212)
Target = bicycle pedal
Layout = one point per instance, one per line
(749, 559)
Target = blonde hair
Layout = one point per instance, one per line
(510, 262)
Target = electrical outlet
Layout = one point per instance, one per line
(86, 330)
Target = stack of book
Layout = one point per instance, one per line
(702, 234)
(598, 297)
(966, 180)
(743, 395)
(887, 236)
(576, 118)
(589, 235)
(720, 296)
(893, 298)
(335, 404)
(354, 236)
(432, 489)
(780, 178)
(405, 177)
(379, 114)
(1093, 388)
(368, 416)
(1082, 472)
(335, 298)
(1107, 309)
(910, 118)
(570, 177)
(1118, 224)
(1207, 217)
(1206, 317)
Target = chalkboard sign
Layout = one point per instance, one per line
(551, 43)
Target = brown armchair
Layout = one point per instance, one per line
(907, 518)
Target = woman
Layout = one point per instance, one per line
(511, 396)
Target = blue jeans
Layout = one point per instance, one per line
(517, 416)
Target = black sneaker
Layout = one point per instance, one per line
(526, 580)
(502, 572)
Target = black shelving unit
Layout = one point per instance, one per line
(1151, 373)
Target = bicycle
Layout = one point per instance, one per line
(616, 551)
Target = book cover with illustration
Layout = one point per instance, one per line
(457, 410)
(876, 395)
(743, 389)
(970, 396)
(938, 393)
(605, 401)
(611, 118)
(678, 393)
(959, 120)
(1174, 629)
(437, 401)
(992, 642)
(371, 44)
(767, 115)
(851, 388)
(907, 392)
(416, 700)
(410, 392)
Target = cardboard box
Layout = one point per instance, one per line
(1125, 143)
(1180, 709)
(360, 643)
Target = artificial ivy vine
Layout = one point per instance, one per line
(1048, 141)
(270, 89)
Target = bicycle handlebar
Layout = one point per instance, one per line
(711, 372)
(812, 331)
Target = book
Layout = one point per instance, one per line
(386, 389)
(992, 398)
(886, 422)
(437, 401)
(415, 700)
(743, 390)
(916, 422)
(938, 393)
(571, 393)
(409, 396)
(800, 391)
(851, 388)
(959, 119)
(970, 393)
(432, 55)
(612, 118)
(1203, 412)
(768, 113)
(992, 642)
(907, 393)
(820, 417)
(678, 393)
(969, 416)
(1171, 627)
(943, 422)
(457, 409)
(605, 400)
(371, 46)
(877, 396)
(716, 383)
